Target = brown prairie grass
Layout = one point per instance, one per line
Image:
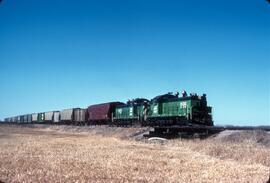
(38, 155)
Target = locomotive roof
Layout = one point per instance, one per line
(163, 97)
(137, 101)
(170, 97)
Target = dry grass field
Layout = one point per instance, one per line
(55, 155)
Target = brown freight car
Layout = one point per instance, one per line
(101, 114)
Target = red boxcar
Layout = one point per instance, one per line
(101, 113)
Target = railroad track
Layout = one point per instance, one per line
(196, 131)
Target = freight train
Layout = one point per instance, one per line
(164, 110)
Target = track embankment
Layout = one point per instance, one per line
(43, 153)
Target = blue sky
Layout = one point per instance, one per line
(61, 54)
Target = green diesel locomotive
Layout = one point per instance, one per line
(131, 113)
(171, 109)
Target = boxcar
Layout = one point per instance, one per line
(73, 116)
(25, 118)
(13, 119)
(56, 117)
(49, 117)
(131, 113)
(79, 116)
(66, 116)
(18, 119)
(29, 118)
(35, 118)
(101, 113)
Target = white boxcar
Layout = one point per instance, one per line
(52, 116)
(66, 115)
(56, 117)
(48, 116)
(34, 117)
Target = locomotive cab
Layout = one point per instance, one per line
(199, 112)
